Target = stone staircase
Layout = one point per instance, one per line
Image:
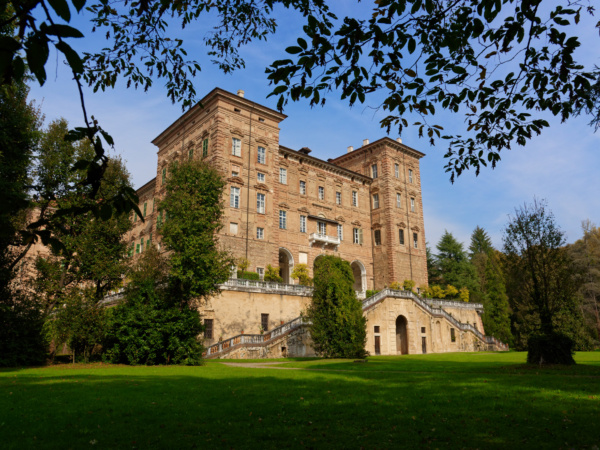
(261, 345)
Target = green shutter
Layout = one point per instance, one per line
(205, 147)
(360, 236)
(142, 245)
(145, 206)
(191, 152)
(137, 248)
(164, 175)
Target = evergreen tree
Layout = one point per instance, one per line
(454, 266)
(338, 327)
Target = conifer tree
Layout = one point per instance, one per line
(338, 325)
(454, 266)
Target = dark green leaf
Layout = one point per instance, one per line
(61, 7)
(73, 58)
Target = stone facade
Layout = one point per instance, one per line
(284, 206)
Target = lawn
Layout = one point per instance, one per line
(474, 400)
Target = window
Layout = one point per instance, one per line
(322, 227)
(159, 219)
(282, 175)
(137, 248)
(234, 197)
(260, 203)
(262, 155)
(145, 207)
(135, 217)
(375, 201)
(233, 228)
(164, 175)
(264, 322)
(354, 198)
(131, 250)
(261, 273)
(302, 187)
(260, 233)
(401, 236)
(340, 230)
(205, 147)
(412, 204)
(398, 200)
(357, 236)
(321, 193)
(142, 245)
(397, 170)
(260, 177)
(191, 153)
(415, 240)
(422, 329)
(235, 171)
(236, 147)
(338, 198)
(377, 329)
(377, 234)
(452, 335)
(302, 224)
(208, 328)
(410, 176)
(282, 219)
(374, 171)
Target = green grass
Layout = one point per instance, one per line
(475, 400)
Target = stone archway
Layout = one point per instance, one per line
(360, 276)
(401, 335)
(286, 265)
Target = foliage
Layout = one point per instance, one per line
(408, 285)
(194, 207)
(301, 274)
(79, 323)
(463, 294)
(425, 291)
(272, 274)
(554, 348)
(243, 264)
(338, 327)
(21, 324)
(542, 287)
(396, 285)
(585, 253)
(454, 267)
(372, 292)
(248, 275)
(450, 291)
(152, 326)
(437, 291)
(494, 61)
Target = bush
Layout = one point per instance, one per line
(408, 285)
(248, 275)
(372, 292)
(272, 274)
(300, 273)
(554, 348)
(396, 286)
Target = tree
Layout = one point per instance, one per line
(272, 274)
(338, 327)
(485, 259)
(543, 288)
(453, 265)
(152, 326)
(585, 253)
(194, 208)
(501, 63)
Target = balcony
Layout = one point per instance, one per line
(323, 239)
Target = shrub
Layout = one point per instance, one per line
(371, 292)
(437, 291)
(463, 294)
(451, 291)
(248, 275)
(425, 291)
(272, 274)
(396, 286)
(553, 348)
(300, 273)
(408, 285)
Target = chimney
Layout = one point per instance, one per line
(350, 149)
(399, 140)
(365, 142)
(240, 93)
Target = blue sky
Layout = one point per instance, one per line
(560, 165)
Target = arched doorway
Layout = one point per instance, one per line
(286, 265)
(401, 336)
(360, 276)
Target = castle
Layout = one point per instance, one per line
(285, 207)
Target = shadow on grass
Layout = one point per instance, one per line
(231, 407)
